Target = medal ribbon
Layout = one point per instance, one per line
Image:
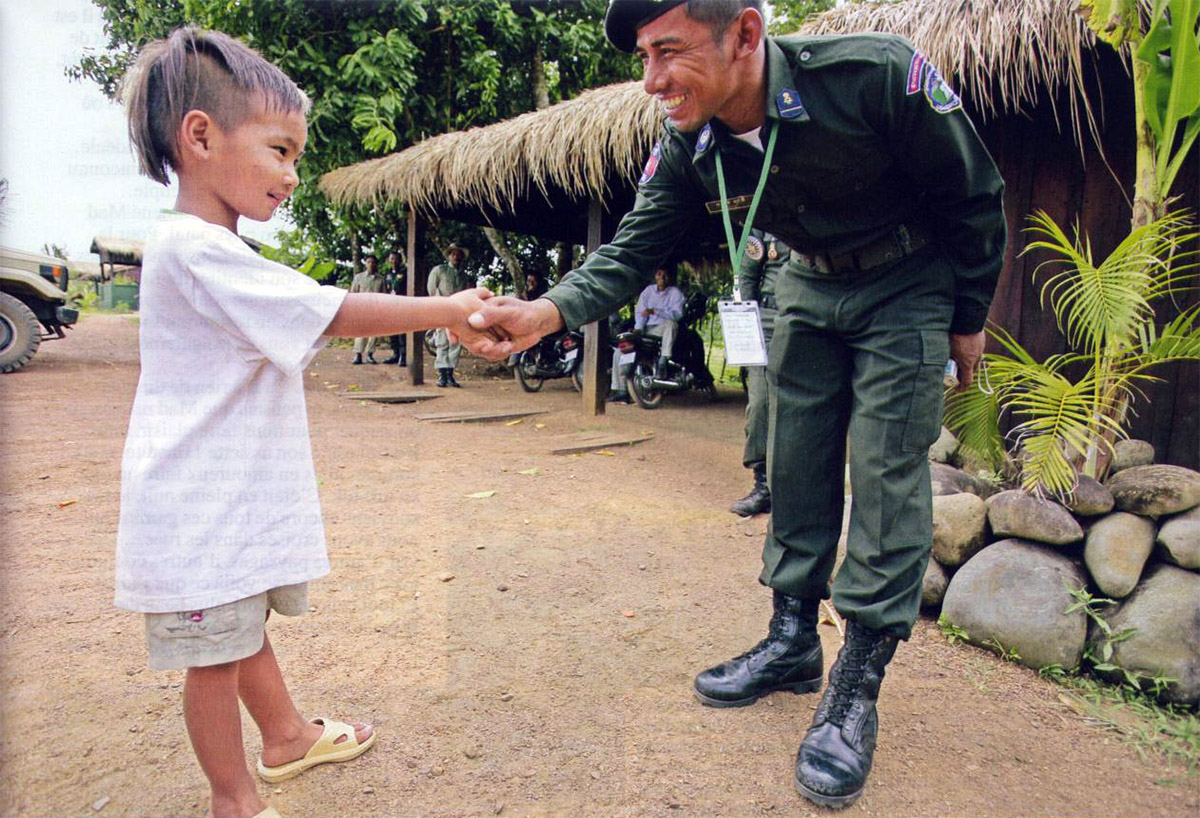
(738, 249)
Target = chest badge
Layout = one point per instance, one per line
(704, 141)
(772, 253)
(754, 248)
(789, 105)
(651, 164)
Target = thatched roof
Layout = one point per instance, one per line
(1005, 55)
(113, 250)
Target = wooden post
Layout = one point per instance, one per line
(594, 392)
(416, 287)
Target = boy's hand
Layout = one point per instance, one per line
(513, 325)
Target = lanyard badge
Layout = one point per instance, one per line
(741, 324)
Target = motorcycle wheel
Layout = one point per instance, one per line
(577, 378)
(525, 369)
(646, 398)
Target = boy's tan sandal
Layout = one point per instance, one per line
(326, 750)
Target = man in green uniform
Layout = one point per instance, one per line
(855, 152)
(765, 257)
(447, 279)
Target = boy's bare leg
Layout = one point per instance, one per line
(214, 724)
(286, 734)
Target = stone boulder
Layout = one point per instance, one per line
(1116, 551)
(1014, 513)
(1153, 491)
(933, 588)
(1130, 453)
(949, 480)
(1015, 592)
(959, 527)
(1165, 616)
(1179, 539)
(1091, 497)
(942, 451)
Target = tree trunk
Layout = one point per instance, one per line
(566, 259)
(1148, 202)
(541, 91)
(355, 252)
(500, 246)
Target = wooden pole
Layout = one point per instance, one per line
(594, 333)
(416, 287)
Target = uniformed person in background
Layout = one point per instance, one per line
(447, 279)
(395, 282)
(368, 281)
(765, 257)
(865, 164)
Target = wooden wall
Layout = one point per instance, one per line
(1043, 169)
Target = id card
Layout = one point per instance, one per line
(742, 328)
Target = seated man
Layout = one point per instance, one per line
(657, 313)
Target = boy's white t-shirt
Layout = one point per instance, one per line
(218, 491)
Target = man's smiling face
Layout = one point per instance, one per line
(685, 68)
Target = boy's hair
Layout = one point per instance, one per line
(198, 70)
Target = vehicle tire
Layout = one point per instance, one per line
(577, 378)
(526, 370)
(20, 333)
(646, 398)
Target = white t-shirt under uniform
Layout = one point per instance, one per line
(218, 491)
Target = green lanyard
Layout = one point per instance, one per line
(736, 251)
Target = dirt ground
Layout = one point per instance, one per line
(551, 676)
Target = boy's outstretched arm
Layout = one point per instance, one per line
(365, 314)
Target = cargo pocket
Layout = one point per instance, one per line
(925, 408)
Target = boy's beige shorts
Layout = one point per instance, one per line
(222, 634)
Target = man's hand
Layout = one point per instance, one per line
(469, 302)
(967, 351)
(505, 325)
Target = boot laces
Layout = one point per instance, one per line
(851, 670)
(774, 632)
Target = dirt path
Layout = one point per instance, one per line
(550, 676)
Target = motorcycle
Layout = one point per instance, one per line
(685, 370)
(555, 356)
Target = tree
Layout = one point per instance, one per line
(384, 75)
(786, 15)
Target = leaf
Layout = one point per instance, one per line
(604, 453)
(629, 614)
(515, 422)
(481, 495)
(66, 503)
(534, 470)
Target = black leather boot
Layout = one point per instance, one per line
(759, 498)
(450, 379)
(788, 659)
(835, 756)
(443, 377)
(357, 358)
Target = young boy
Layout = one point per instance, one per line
(220, 521)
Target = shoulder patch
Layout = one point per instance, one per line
(754, 248)
(939, 93)
(916, 69)
(651, 164)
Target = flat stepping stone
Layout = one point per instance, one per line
(478, 417)
(591, 441)
(390, 397)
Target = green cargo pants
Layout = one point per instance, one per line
(861, 353)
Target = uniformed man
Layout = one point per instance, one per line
(395, 282)
(856, 152)
(368, 281)
(447, 279)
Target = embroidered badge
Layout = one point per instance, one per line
(704, 140)
(789, 104)
(939, 93)
(772, 253)
(651, 164)
(915, 69)
(754, 248)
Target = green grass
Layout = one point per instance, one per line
(714, 353)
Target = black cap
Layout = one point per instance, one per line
(625, 17)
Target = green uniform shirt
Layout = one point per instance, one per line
(870, 138)
(445, 279)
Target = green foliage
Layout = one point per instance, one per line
(1070, 406)
(1098, 653)
(299, 254)
(383, 76)
(787, 15)
(1172, 84)
(1007, 654)
(952, 632)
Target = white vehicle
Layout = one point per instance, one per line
(33, 296)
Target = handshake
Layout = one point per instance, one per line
(496, 326)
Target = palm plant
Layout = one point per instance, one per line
(1066, 423)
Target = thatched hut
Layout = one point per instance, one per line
(118, 257)
(1041, 89)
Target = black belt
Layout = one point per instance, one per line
(890, 247)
